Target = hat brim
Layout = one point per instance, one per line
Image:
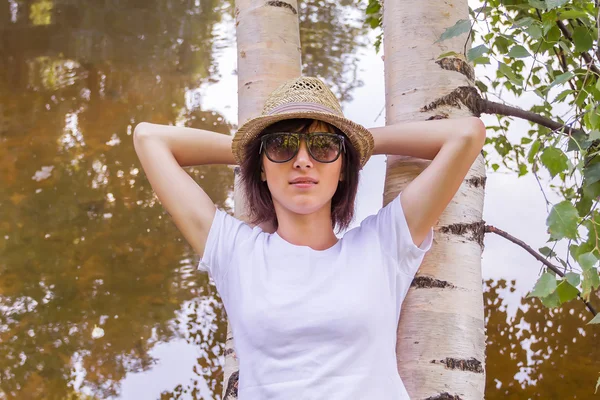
(360, 137)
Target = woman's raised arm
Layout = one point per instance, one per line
(163, 150)
(451, 144)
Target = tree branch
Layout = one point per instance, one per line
(538, 256)
(588, 59)
(489, 107)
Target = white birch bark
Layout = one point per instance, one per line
(268, 54)
(441, 339)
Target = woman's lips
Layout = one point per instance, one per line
(304, 185)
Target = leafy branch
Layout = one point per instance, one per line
(569, 288)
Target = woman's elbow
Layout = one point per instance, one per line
(141, 129)
(476, 132)
(470, 136)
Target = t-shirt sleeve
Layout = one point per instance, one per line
(391, 227)
(226, 232)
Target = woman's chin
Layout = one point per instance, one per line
(304, 206)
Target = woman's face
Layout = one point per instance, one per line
(299, 198)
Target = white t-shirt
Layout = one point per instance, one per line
(310, 324)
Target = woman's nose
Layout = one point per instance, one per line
(303, 157)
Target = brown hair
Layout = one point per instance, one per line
(259, 202)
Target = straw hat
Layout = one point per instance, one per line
(303, 97)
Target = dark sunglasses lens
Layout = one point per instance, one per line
(281, 147)
(324, 148)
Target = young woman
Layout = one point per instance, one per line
(313, 316)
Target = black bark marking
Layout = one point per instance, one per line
(232, 386)
(439, 116)
(472, 364)
(459, 65)
(444, 396)
(282, 4)
(466, 96)
(422, 282)
(477, 181)
(476, 229)
(228, 352)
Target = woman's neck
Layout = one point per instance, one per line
(312, 230)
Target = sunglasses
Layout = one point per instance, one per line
(281, 147)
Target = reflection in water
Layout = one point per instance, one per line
(83, 240)
(539, 353)
(330, 33)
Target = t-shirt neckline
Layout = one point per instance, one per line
(324, 252)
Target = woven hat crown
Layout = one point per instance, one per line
(304, 89)
(303, 97)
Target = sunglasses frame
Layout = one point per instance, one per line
(341, 147)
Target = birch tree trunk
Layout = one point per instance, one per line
(268, 54)
(441, 339)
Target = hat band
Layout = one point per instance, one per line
(300, 106)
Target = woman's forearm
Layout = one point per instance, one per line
(423, 139)
(189, 146)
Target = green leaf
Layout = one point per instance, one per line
(495, 166)
(447, 54)
(550, 4)
(591, 173)
(562, 221)
(551, 300)
(502, 43)
(373, 23)
(593, 118)
(566, 48)
(583, 39)
(591, 280)
(525, 22)
(595, 320)
(587, 260)
(534, 31)
(482, 86)
(535, 147)
(563, 95)
(572, 14)
(482, 61)
(547, 26)
(537, 4)
(477, 52)
(573, 278)
(522, 169)
(566, 292)
(595, 134)
(555, 160)
(508, 72)
(373, 7)
(544, 286)
(518, 51)
(562, 78)
(578, 138)
(461, 26)
(547, 251)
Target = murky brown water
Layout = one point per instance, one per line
(84, 242)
